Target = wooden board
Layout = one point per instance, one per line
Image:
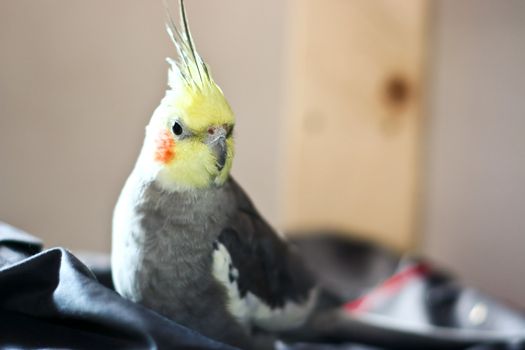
(354, 117)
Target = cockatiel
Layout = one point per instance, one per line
(187, 241)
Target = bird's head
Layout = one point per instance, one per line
(189, 140)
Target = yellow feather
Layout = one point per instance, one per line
(195, 100)
(200, 108)
(194, 167)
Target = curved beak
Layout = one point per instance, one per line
(220, 150)
(216, 140)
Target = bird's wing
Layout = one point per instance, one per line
(268, 278)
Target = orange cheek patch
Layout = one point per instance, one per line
(165, 147)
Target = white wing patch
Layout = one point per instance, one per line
(252, 310)
(223, 270)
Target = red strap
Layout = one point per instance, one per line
(387, 288)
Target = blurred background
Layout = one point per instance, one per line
(400, 121)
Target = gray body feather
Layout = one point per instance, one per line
(167, 251)
(162, 255)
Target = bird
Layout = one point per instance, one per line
(187, 241)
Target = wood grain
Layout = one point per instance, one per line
(354, 117)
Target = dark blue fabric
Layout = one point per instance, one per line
(50, 299)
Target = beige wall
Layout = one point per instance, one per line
(78, 82)
(475, 188)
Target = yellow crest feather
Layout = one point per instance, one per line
(192, 87)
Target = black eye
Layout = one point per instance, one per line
(177, 129)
